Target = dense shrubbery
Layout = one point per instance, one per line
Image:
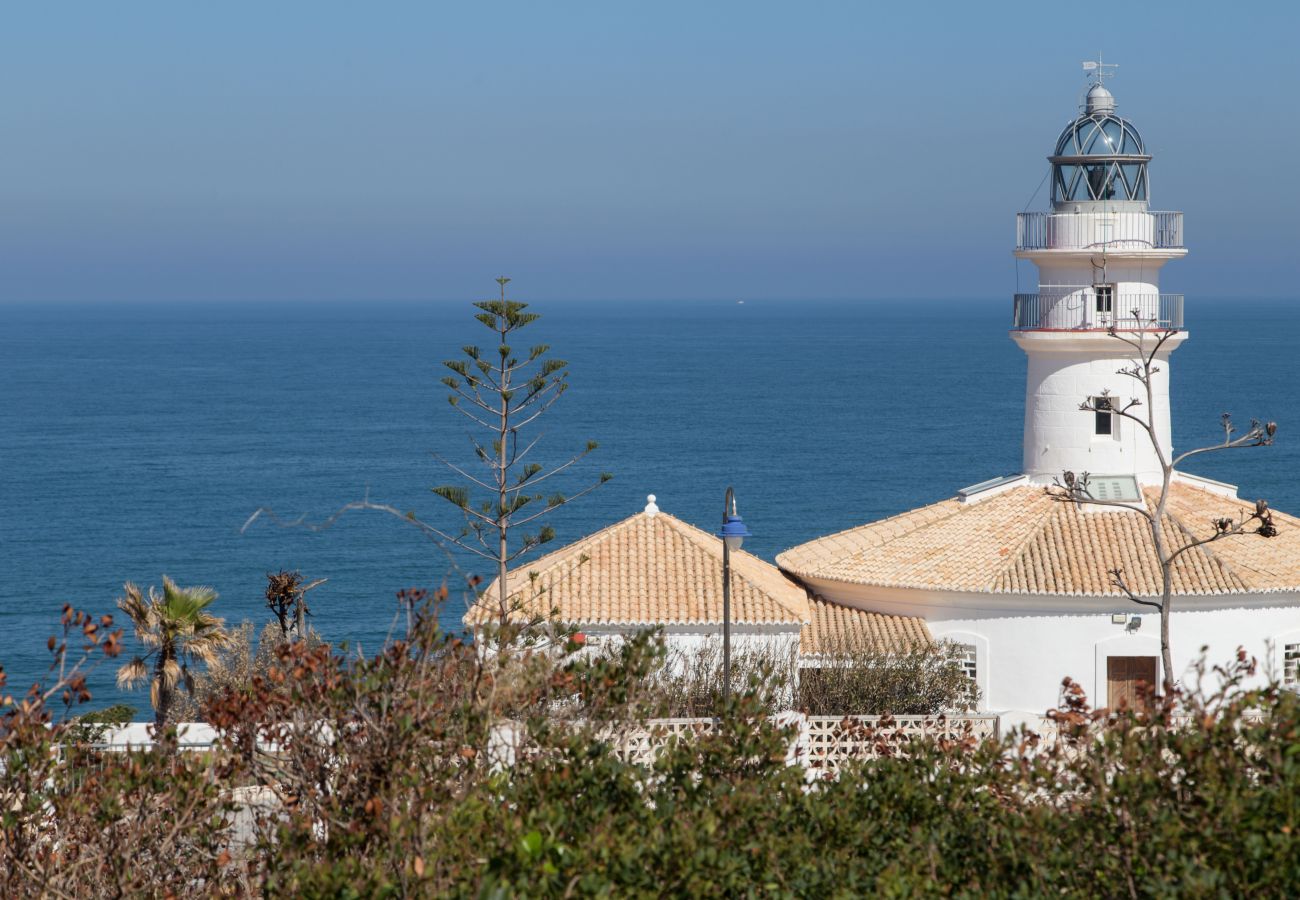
(926, 680)
(923, 680)
(380, 777)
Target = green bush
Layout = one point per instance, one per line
(383, 777)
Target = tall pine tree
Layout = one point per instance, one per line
(503, 392)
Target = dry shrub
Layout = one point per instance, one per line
(921, 680)
(688, 683)
(436, 768)
(235, 666)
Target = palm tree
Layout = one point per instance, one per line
(177, 627)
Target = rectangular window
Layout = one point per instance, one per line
(1104, 424)
(1105, 294)
(1291, 664)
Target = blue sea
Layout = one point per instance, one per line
(136, 440)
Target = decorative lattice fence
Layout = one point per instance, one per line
(820, 742)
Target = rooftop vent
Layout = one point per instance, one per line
(990, 488)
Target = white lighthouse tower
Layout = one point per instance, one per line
(1099, 252)
(1021, 581)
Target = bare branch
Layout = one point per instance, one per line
(565, 502)
(434, 534)
(463, 474)
(1117, 579)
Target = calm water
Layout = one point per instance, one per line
(135, 440)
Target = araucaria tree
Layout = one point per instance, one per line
(177, 628)
(1146, 341)
(503, 391)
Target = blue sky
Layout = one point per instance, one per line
(337, 151)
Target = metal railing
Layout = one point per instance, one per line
(1079, 310)
(1099, 230)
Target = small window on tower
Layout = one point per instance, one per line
(1105, 294)
(1105, 418)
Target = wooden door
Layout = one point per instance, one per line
(1124, 674)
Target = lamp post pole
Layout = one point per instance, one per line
(733, 534)
(726, 620)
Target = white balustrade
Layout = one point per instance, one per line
(1075, 309)
(1127, 230)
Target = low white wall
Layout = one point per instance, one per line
(137, 734)
(773, 641)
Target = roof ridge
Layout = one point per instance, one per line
(558, 557)
(880, 524)
(1204, 548)
(1028, 535)
(711, 544)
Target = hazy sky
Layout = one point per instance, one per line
(314, 150)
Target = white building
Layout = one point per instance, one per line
(654, 570)
(1017, 577)
(1021, 578)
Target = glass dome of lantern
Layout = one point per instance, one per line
(1099, 156)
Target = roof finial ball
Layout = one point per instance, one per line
(650, 508)
(1099, 100)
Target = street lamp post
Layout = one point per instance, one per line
(733, 534)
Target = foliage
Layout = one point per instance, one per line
(689, 682)
(926, 679)
(234, 666)
(91, 727)
(435, 769)
(286, 597)
(177, 627)
(502, 392)
(922, 680)
(500, 496)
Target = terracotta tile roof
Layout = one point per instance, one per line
(838, 629)
(649, 570)
(1023, 541)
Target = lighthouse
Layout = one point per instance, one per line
(1099, 251)
(1019, 581)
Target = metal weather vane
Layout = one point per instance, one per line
(1097, 69)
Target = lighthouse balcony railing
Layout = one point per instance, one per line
(1126, 230)
(1083, 310)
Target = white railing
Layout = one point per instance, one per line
(642, 744)
(1099, 230)
(1077, 309)
(820, 742)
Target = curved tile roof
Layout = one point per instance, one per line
(843, 629)
(648, 570)
(1023, 541)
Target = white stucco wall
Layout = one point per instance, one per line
(1064, 370)
(686, 640)
(776, 643)
(1026, 645)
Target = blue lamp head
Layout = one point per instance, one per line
(733, 532)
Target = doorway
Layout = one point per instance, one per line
(1123, 675)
